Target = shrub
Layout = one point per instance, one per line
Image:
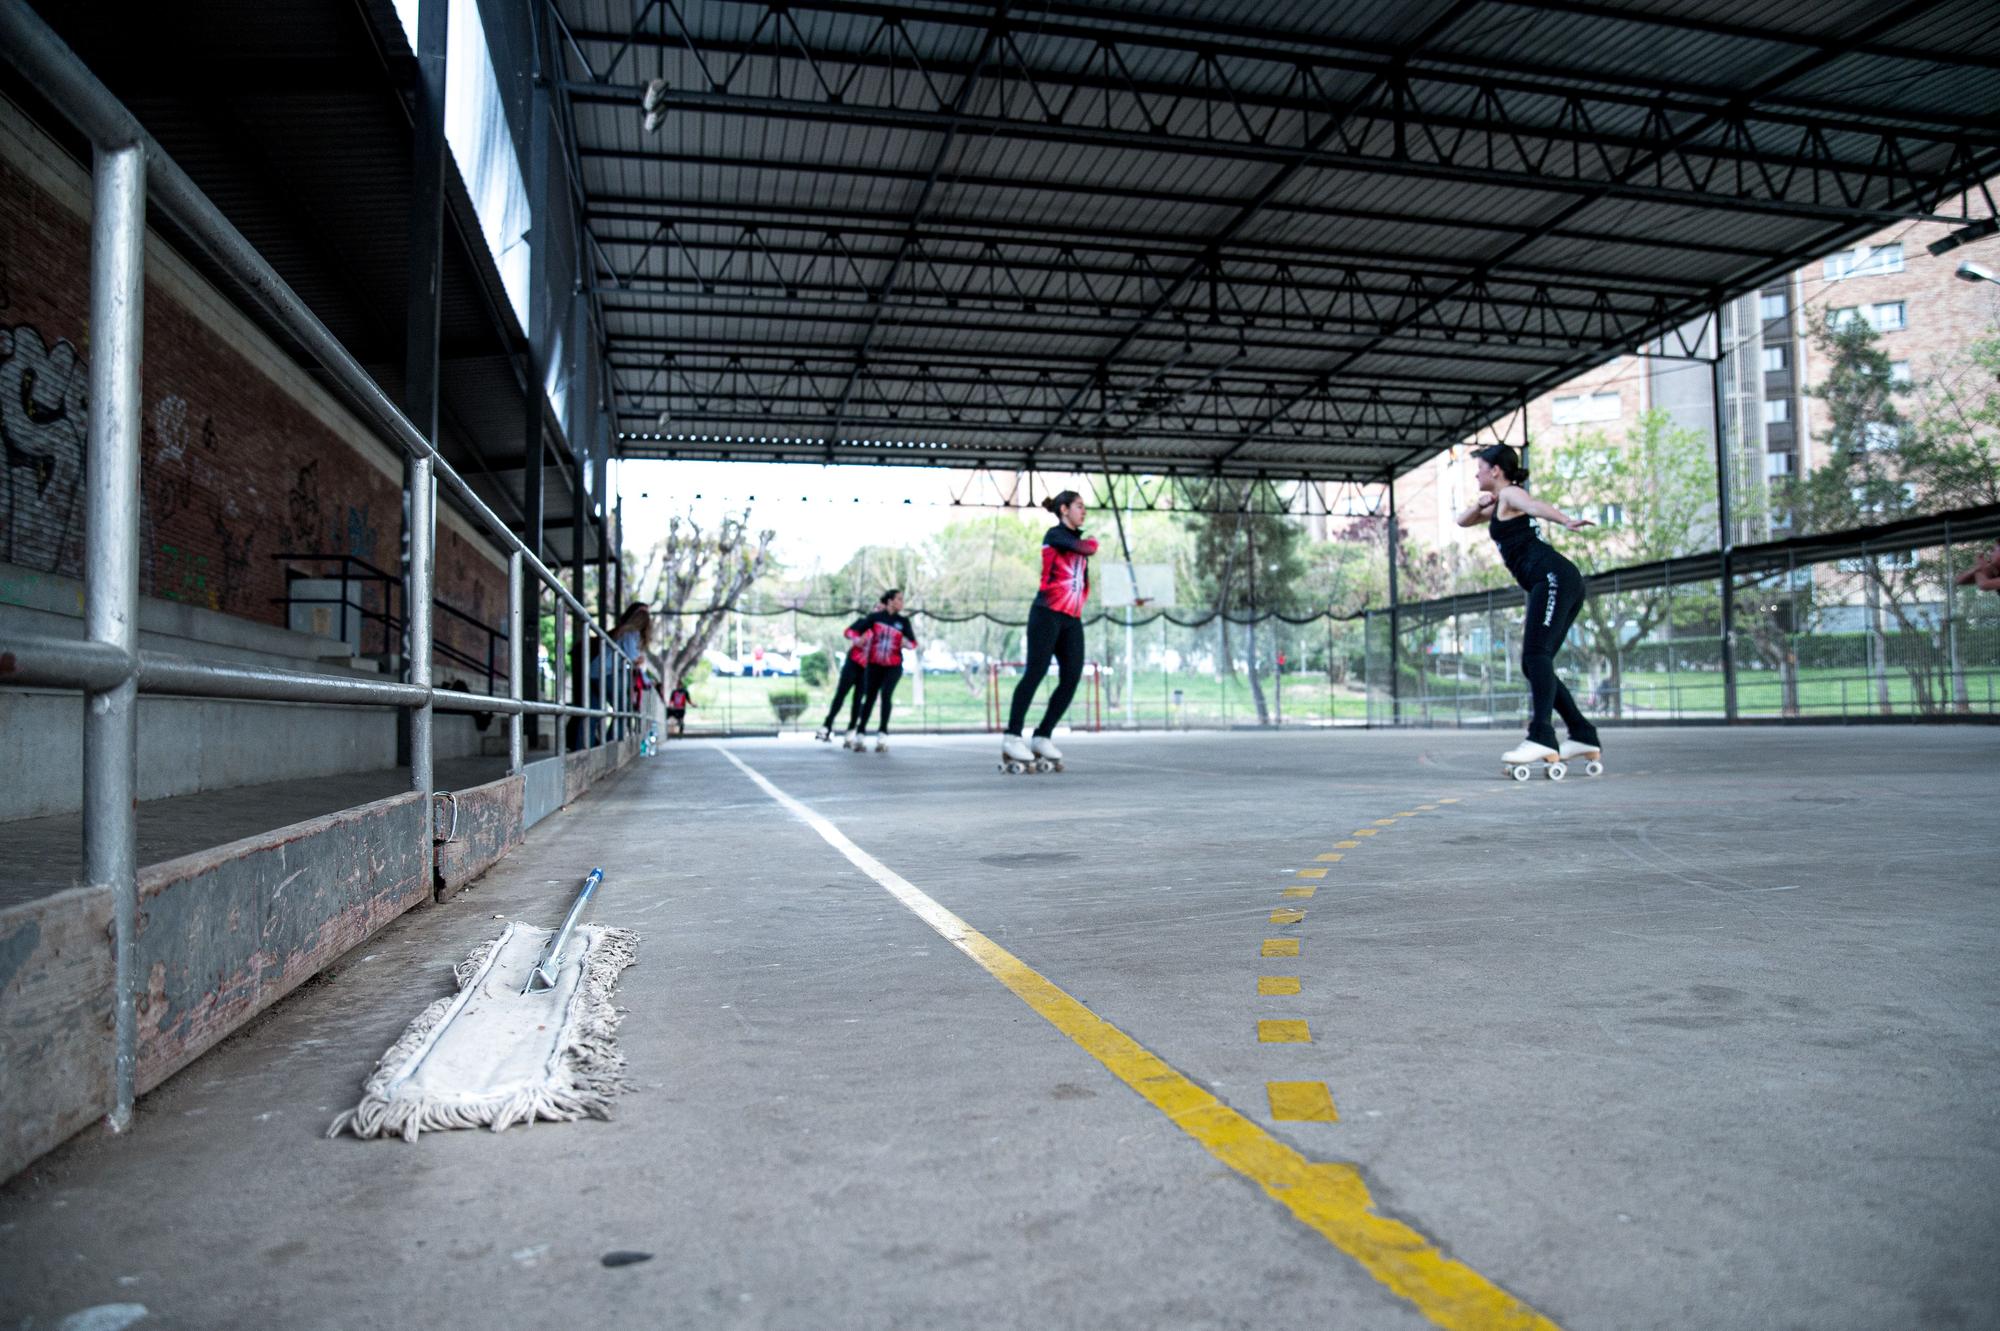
(788, 703)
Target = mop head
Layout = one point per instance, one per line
(490, 1056)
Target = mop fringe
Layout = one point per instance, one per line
(584, 1073)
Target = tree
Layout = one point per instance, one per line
(1874, 472)
(712, 569)
(1247, 565)
(1652, 496)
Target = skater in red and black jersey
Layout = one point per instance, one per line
(1055, 628)
(889, 633)
(852, 671)
(1555, 594)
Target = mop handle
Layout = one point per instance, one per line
(545, 969)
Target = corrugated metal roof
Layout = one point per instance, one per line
(1132, 203)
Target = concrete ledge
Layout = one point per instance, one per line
(490, 824)
(56, 1042)
(224, 933)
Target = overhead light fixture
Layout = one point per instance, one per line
(1965, 235)
(1976, 272)
(653, 105)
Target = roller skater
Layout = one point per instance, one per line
(1055, 628)
(853, 669)
(889, 632)
(1555, 594)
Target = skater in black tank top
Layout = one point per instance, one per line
(1555, 594)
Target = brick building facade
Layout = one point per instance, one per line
(243, 456)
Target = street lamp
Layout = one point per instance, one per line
(1976, 272)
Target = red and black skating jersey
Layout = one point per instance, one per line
(888, 637)
(1065, 571)
(677, 701)
(858, 634)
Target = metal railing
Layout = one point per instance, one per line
(391, 623)
(129, 170)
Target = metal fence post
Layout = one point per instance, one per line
(111, 579)
(423, 533)
(516, 640)
(561, 692)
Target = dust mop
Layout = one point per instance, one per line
(531, 1033)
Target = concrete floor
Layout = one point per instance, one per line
(1707, 1042)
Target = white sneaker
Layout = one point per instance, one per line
(1527, 751)
(1045, 748)
(1015, 748)
(1572, 748)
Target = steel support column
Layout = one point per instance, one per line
(1395, 644)
(423, 516)
(420, 362)
(1726, 525)
(111, 579)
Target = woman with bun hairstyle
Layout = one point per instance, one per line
(1055, 628)
(1555, 594)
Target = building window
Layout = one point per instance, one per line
(1771, 305)
(1611, 515)
(1887, 317)
(1777, 464)
(1875, 435)
(1583, 407)
(1867, 261)
(1774, 359)
(1899, 372)
(1842, 315)
(1777, 410)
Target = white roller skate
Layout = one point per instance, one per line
(1592, 755)
(1519, 761)
(1048, 758)
(824, 734)
(856, 740)
(1015, 755)
(881, 744)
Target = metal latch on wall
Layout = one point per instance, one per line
(444, 829)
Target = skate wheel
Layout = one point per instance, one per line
(1044, 765)
(1057, 765)
(1012, 768)
(1557, 771)
(1520, 772)
(1593, 768)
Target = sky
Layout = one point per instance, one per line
(820, 514)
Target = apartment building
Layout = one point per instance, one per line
(1927, 316)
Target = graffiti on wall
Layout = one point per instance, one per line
(44, 410)
(304, 522)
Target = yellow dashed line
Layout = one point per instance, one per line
(1332, 1199)
(1287, 915)
(1329, 857)
(1427, 808)
(1301, 1102)
(1309, 873)
(1269, 986)
(1453, 800)
(1367, 831)
(1347, 845)
(1385, 822)
(1283, 1031)
(1298, 893)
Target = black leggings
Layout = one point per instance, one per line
(1555, 594)
(880, 682)
(1049, 634)
(850, 682)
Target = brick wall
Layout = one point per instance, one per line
(242, 456)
